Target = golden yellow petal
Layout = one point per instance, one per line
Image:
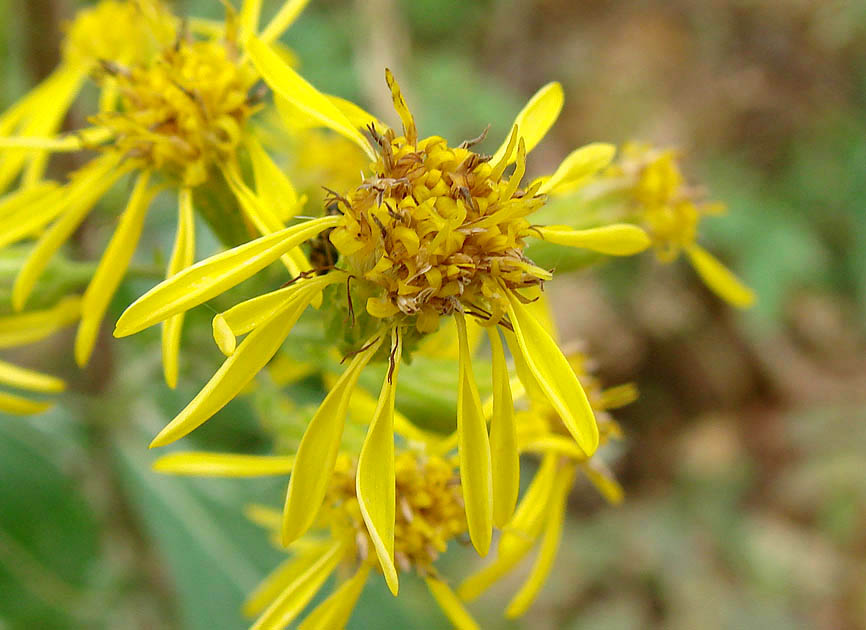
(450, 604)
(334, 612)
(23, 328)
(620, 239)
(283, 19)
(535, 119)
(317, 452)
(22, 378)
(18, 406)
(554, 375)
(578, 167)
(375, 479)
(505, 462)
(473, 450)
(205, 464)
(719, 278)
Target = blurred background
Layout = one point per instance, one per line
(743, 462)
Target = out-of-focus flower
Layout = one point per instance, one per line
(129, 32)
(181, 122)
(670, 210)
(430, 515)
(21, 329)
(434, 231)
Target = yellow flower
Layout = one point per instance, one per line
(540, 515)
(128, 32)
(670, 211)
(21, 329)
(432, 231)
(181, 122)
(427, 490)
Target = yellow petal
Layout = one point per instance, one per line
(112, 267)
(61, 144)
(473, 450)
(295, 89)
(298, 593)
(182, 256)
(535, 119)
(334, 612)
(18, 406)
(24, 198)
(619, 239)
(554, 375)
(505, 462)
(75, 211)
(22, 378)
(358, 117)
(204, 464)
(238, 370)
(23, 328)
(249, 16)
(284, 18)
(528, 519)
(450, 605)
(244, 317)
(580, 165)
(549, 546)
(277, 580)
(375, 480)
(604, 481)
(263, 217)
(213, 276)
(409, 130)
(273, 186)
(556, 444)
(317, 452)
(719, 278)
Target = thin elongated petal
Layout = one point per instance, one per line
(62, 229)
(210, 277)
(504, 459)
(24, 198)
(547, 552)
(284, 18)
(23, 328)
(604, 482)
(277, 580)
(182, 256)
(22, 378)
(112, 267)
(556, 444)
(619, 239)
(317, 452)
(535, 119)
(238, 370)
(719, 278)
(249, 15)
(295, 89)
(301, 590)
(476, 476)
(360, 118)
(334, 612)
(375, 479)
(204, 464)
(61, 144)
(451, 605)
(472, 587)
(274, 187)
(244, 317)
(580, 165)
(528, 519)
(554, 375)
(263, 217)
(19, 406)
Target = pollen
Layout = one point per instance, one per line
(429, 514)
(438, 229)
(184, 111)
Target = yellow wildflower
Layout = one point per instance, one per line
(433, 231)
(127, 31)
(670, 211)
(23, 328)
(181, 122)
(427, 490)
(542, 510)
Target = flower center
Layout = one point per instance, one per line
(429, 513)
(184, 111)
(437, 229)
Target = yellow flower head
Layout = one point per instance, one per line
(177, 115)
(182, 112)
(432, 231)
(430, 515)
(24, 328)
(670, 210)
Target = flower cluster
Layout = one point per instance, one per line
(424, 256)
